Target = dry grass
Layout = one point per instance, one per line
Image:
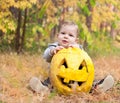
(16, 71)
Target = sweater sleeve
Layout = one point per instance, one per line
(47, 55)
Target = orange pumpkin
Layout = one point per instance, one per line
(71, 71)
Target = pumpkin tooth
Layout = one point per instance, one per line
(74, 85)
(66, 80)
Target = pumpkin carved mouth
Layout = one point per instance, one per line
(72, 77)
(72, 84)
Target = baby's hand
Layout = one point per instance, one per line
(56, 49)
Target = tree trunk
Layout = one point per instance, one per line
(112, 33)
(89, 17)
(53, 33)
(17, 35)
(1, 34)
(24, 30)
(62, 17)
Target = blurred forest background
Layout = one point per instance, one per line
(29, 25)
(26, 28)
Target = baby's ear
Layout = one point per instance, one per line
(56, 36)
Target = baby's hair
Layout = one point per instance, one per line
(71, 23)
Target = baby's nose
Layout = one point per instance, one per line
(66, 36)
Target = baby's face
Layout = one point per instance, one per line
(67, 36)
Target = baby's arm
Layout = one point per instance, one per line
(47, 54)
(50, 51)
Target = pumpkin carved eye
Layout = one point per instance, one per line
(83, 64)
(64, 63)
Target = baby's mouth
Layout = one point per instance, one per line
(65, 41)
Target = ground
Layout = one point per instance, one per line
(16, 71)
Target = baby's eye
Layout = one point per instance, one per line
(62, 32)
(71, 35)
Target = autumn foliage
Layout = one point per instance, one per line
(28, 25)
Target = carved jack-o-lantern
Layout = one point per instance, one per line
(71, 71)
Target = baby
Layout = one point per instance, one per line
(68, 37)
